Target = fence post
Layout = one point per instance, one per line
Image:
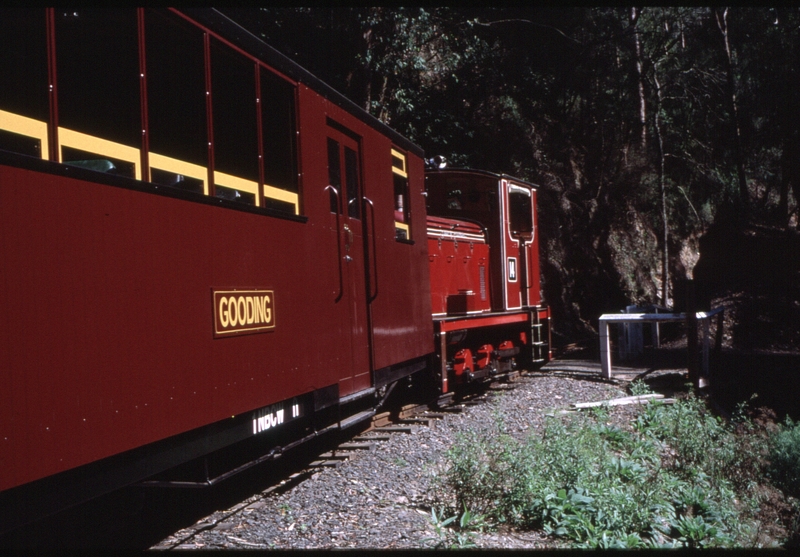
(605, 350)
(691, 333)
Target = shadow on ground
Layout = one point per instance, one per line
(762, 378)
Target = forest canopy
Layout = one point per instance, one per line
(643, 126)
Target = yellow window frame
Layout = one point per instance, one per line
(99, 146)
(401, 172)
(177, 166)
(29, 127)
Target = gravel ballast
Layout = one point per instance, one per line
(381, 499)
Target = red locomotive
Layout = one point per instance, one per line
(483, 249)
(203, 245)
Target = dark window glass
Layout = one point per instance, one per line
(23, 75)
(278, 132)
(400, 208)
(166, 178)
(400, 196)
(351, 175)
(176, 92)
(91, 161)
(334, 172)
(232, 194)
(520, 212)
(398, 163)
(233, 99)
(278, 205)
(20, 143)
(98, 73)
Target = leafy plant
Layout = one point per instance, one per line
(784, 458)
(639, 387)
(454, 535)
(665, 483)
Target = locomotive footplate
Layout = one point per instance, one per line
(476, 347)
(446, 324)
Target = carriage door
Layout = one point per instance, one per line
(344, 173)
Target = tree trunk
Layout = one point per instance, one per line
(790, 159)
(663, 188)
(634, 18)
(722, 23)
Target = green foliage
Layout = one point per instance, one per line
(668, 482)
(784, 458)
(639, 387)
(450, 534)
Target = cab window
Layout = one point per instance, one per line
(520, 212)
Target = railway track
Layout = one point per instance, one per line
(404, 420)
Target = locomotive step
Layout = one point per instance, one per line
(356, 418)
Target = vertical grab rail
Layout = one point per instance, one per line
(338, 242)
(374, 255)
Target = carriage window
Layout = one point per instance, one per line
(97, 65)
(401, 199)
(279, 143)
(24, 108)
(334, 173)
(176, 102)
(233, 99)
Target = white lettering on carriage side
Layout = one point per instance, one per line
(267, 419)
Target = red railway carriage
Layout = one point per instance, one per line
(200, 244)
(485, 284)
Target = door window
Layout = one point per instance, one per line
(344, 157)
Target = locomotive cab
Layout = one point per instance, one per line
(505, 207)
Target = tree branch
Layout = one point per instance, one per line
(559, 31)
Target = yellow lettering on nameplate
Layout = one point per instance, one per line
(242, 312)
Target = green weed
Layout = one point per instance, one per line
(784, 458)
(667, 482)
(450, 534)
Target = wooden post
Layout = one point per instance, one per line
(655, 331)
(706, 378)
(691, 333)
(605, 350)
(715, 366)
